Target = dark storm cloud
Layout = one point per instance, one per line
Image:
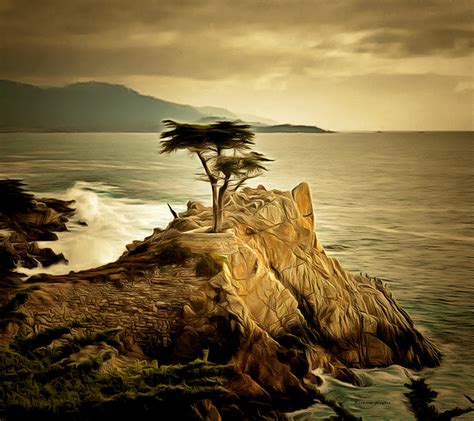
(213, 39)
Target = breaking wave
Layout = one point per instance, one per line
(101, 227)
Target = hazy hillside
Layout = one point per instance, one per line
(222, 112)
(215, 111)
(103, 107)
(92, 106)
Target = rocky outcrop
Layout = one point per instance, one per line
(262, 296)
(35, 220)
(25, 220)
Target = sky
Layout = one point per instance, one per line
(338, 64)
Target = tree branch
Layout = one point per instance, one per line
(243, 180)
(209, 174)
(173, 212)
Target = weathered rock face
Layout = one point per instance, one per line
(282, 284)
(24, 221)
(19, 232)
(262, 295)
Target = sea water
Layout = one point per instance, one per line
(398, 206)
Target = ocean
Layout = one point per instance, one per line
(398, 206)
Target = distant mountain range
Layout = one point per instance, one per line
(103, 107)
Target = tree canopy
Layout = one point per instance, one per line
(224, 150)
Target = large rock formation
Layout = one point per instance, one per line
(262, 296)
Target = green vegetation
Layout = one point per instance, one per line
(221, 148)
(68, 373)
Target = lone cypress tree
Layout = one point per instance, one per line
(223, 150)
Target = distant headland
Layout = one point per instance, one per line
(104, 107)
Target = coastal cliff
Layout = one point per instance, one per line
(262, 297)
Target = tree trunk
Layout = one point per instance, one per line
(215, 208)
(220, 205)
(215, 192)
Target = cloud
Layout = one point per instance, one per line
(208, 61)
(418, 42)
(394, 28)
(222, 52)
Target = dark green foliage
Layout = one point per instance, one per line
(220, 148)
(214, 137)
(208, 266)
(71, 372)
(36, 384)
(13, 198)
(80, 340)
(45, 337)
(240, 168)
(420, 399)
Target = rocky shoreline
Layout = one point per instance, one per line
(253, 311)
(28, 221)
(25, 220)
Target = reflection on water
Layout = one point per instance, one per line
(397, 206)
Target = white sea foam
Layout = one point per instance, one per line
(111, 224)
